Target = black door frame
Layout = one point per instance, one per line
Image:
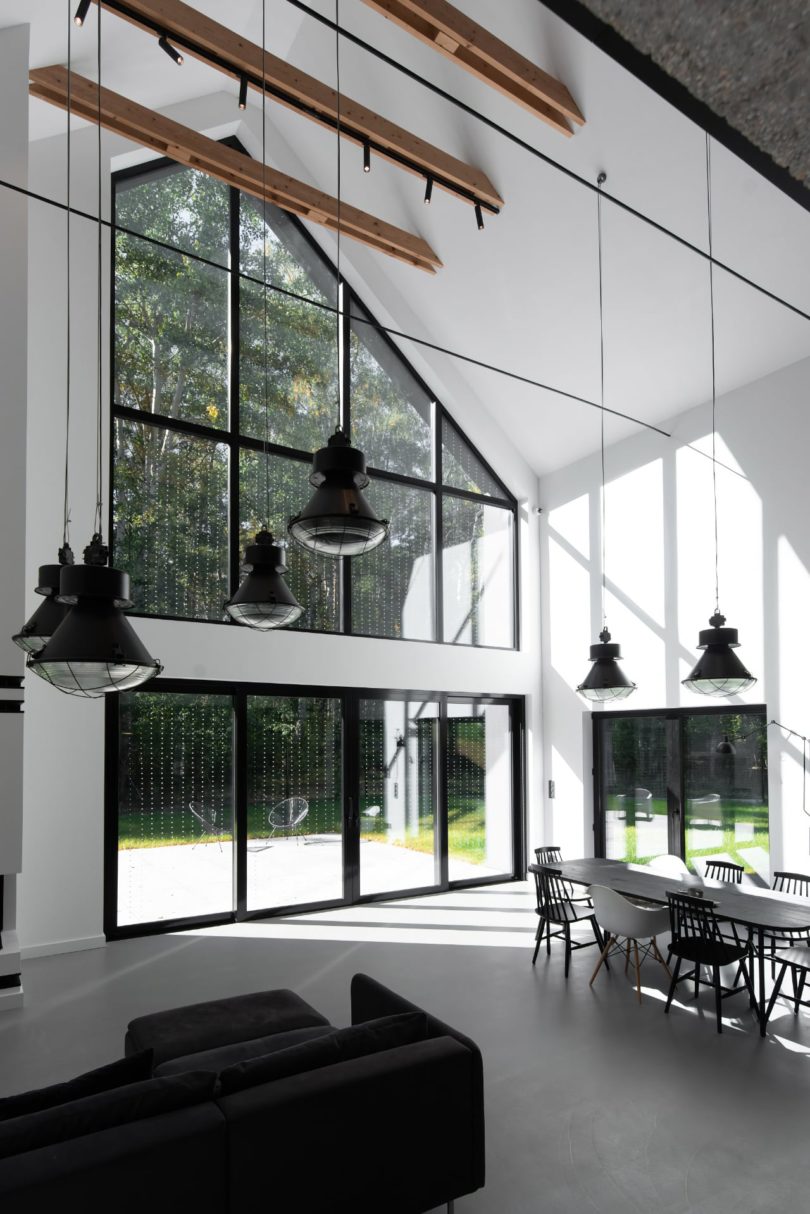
(350, 701)
(674, 719)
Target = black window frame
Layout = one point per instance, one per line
(237, 442)
(676, 767)
(350, 698)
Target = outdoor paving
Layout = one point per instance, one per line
(156, 883)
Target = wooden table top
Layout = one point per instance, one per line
(759, 909)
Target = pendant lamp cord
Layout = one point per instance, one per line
(264, 269)
(99, 420)
(338, 308)
(714, 373)
(600, 182)
(65, 506)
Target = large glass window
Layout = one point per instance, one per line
(686, 781)
(201, 341)
(235, 801)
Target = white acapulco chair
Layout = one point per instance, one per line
(624, 924)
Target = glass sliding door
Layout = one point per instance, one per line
(693, 782)
(294, 800)
(479, 783)
(175, 807)
(632, 768)
(726, 791)
(399, 841)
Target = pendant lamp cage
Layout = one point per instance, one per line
(263, 600)
(605, 680)
(94, 650)
(718, 671)
(338, 520)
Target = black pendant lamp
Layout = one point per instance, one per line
(95, 650)
(338, 519)
(605, 680)
(38, 630)
(264, 600)
(718, 671)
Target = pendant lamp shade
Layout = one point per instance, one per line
(725, 747)
(718, 672)
(95, 650)
(338, 519)
(263, 599)
(606, 680)
(36, 632)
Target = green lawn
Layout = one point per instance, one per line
(466, 828)
(755, 815)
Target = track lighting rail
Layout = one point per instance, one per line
(223, 49)
(189, 147)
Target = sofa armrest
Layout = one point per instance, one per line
(389, 1131)
(370, 1000)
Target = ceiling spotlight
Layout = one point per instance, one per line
(81, 12)
(479, 217)
(366, 157)
(171, 51)
(428, 191)
(243, 93)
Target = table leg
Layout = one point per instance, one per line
(761, 976)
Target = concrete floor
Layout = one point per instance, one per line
(594, 1103)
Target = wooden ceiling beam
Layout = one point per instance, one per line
(234, 55)
(197, 151)
(479, 52)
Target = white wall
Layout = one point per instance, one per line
(660, 566)
(61, 887)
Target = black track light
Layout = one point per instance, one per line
(171, 51)
(81, 12)
(243, 93)
(366, 157)
(479, 217)
(428, 191)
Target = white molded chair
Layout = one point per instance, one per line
(669, 866)
(623, 924)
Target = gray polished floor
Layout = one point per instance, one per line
(594, 1103)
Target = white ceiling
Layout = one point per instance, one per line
(522, 294)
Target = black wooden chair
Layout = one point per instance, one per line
(724, 870)
(797, 884)
(797, 958)
(696, 937)
(554, 906)
(553, 855)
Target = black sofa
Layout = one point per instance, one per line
(272, 1105)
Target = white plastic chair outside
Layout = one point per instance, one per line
(669, 865)
(623, 924)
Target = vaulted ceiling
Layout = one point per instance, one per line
(520, 295)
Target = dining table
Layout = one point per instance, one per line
(762, 912)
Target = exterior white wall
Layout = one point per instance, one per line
(660, 567)
(13, 280)
(61, 891)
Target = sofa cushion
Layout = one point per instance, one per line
(370, 1038)
(104, 1110)
(205, 1026)
(114, 1075)
(239, 1051)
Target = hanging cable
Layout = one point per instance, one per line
(714, 373)
(338, 292)
(264, 271)
(600, 179)
(66, 506)
(98, 526)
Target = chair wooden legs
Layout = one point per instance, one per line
(673, 983)
(718, 997)
(567, 929)
(602, 958)
(638, 971)
(658, 957)
(538, 939)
